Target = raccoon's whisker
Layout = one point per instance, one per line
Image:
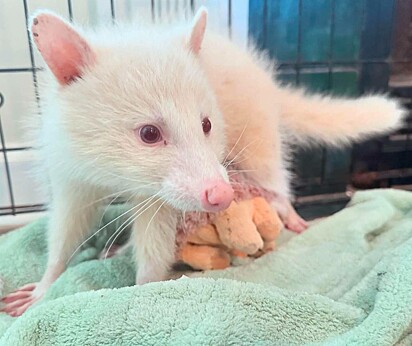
(117, 194)
(118, 231)
(128, 222)
(237, 141)
(184, 218)
(145, 203)
(107, 207)
(238, 172)
(157, 210)
(241, 151)
(241, 184)
(145, 207)
(131, 196)
(235, 163)
(235, 171)
(130, 179)
(101, 228)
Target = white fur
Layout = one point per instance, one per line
(145, 75)
(248, 95)
(89, 148)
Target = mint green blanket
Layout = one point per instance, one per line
(346, 281)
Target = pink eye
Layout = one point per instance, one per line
(150, 134)
(207, 125)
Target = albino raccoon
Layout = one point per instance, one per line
(153, 113)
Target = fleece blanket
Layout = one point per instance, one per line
(346, 281)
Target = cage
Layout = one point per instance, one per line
(344, 47)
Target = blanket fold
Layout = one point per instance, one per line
(346, 281)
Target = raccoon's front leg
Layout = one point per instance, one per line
(288, 215)
(73, 211)
(154, 236)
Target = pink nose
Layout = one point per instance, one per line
(217, 196)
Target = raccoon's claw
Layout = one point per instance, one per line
(16, 303)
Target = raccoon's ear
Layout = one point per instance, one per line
(65, 52)
(198, 30)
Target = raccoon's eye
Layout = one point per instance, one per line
(206, 125)
(150, 134)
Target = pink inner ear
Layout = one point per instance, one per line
(198, 32)
(63, 49)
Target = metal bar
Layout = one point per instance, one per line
(331, 41)
(7, 166)
(21, 69)
(24, 210)
(70, 9)
(15, 149)
(394, 12)
(299, 48)
(152, 7)
(323, 165)
(322, 199)
(359, 65)
(388, 174)
(26, 206)
(159, 9)
(265, 17)
(330, 80)
(352, 161)
(377, 175)
(346, 62)
(192, 6)
(360, 61)
(168, 8)
(33, 65)
(307, 181)
(408, 145)
(113, 10)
